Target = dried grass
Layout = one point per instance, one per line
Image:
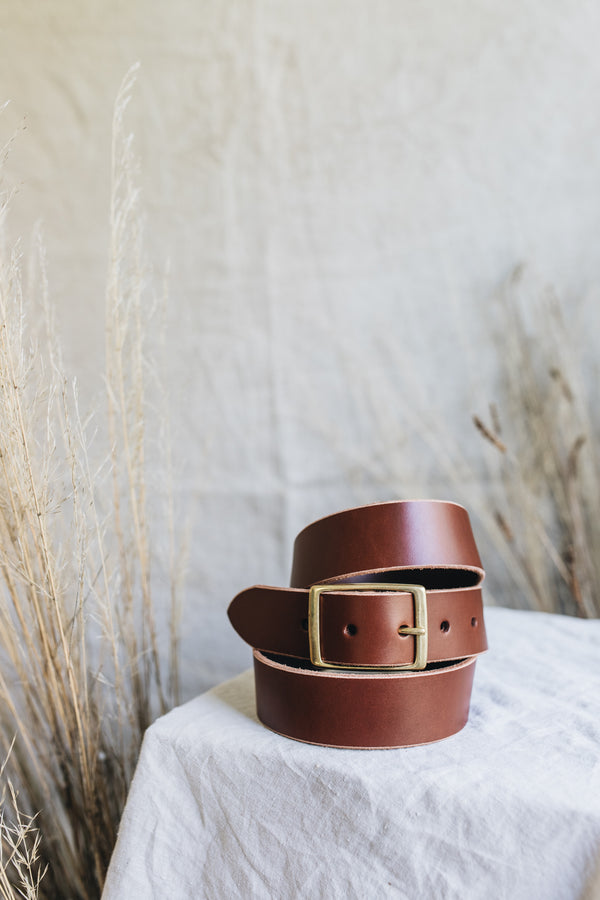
(21, 872)
(528, 471)
(81, 675)
(541, 509)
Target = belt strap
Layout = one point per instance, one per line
(374, 643)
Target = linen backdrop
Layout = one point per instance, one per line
(338, 189)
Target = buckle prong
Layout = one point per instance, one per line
(419, 630)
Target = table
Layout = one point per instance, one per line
(222, 808)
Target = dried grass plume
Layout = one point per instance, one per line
(81, 675)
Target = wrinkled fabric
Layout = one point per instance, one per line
(509, 808)
(338, 191)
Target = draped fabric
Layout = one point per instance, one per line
(508, 808)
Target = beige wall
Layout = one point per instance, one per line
(340, 188)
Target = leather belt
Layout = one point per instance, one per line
(374, 643)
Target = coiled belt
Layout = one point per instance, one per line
(375, 641)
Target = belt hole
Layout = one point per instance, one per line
(304, 624)
(474, 622)
(445, 626)
(400, 631)
(350, 630)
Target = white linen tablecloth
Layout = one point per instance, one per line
(222, 808)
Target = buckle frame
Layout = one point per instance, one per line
(419, 631)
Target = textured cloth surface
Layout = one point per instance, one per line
(508, 808)
(338, 191)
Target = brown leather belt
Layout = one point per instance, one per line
(375, 642)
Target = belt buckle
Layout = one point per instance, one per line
(419, 631)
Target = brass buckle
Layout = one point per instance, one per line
(419, 630)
